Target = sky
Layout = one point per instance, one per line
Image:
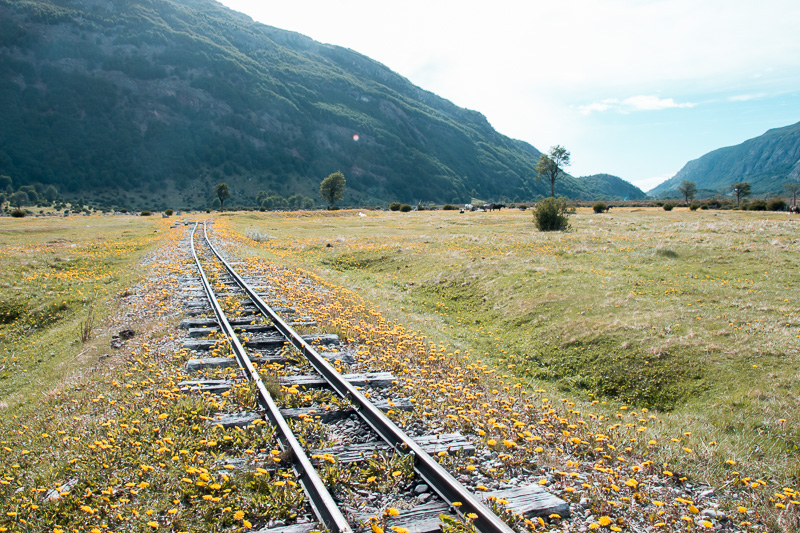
(633, 88)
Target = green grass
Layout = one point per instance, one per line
(688, 313)
(61, 279)
(125, 447)
(666, 313)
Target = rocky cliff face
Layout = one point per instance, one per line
(766, 162)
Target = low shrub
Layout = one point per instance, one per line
(668, 206)
(145, 214)
(168, 212)
(600, 207)
(18, 213)
(551, 214)
(395, 206)
(405, 208)
(776, 204)
(694, 205)
(756, 205)
(449, 207)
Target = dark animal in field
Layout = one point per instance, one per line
(492, 207)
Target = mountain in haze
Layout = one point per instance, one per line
(151, 103)
(608, 187)
(767, 162)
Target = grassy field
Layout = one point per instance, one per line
(693, 314)
(656, 347)
(61, 279)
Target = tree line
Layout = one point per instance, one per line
(740, 190)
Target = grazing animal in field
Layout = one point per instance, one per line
(492, 207)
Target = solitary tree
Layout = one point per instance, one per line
(223, 193)
(793, 188)
(740, 190)
(18, 199)
(551, 165)
(332, 188)
(51, 193)
(688, 189)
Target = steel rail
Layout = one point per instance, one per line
(320, 499)
(461, 500)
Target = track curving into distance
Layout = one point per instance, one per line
(323, 504)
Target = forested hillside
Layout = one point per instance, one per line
(767, 163)
(151, 103)
(608, 187)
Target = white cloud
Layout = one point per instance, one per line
(652, 103)
(633, 103)
(599, 107)
(746, 97)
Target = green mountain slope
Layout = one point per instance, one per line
(608, 187)
(151, 103)
(767, 162)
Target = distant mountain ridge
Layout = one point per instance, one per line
(608, 187)
(767, 162)
(153, 102)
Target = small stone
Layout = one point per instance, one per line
(54, 494)
(421, 489)
(705, 494)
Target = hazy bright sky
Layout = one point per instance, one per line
(634, 88)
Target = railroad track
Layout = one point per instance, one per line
(259, 337)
